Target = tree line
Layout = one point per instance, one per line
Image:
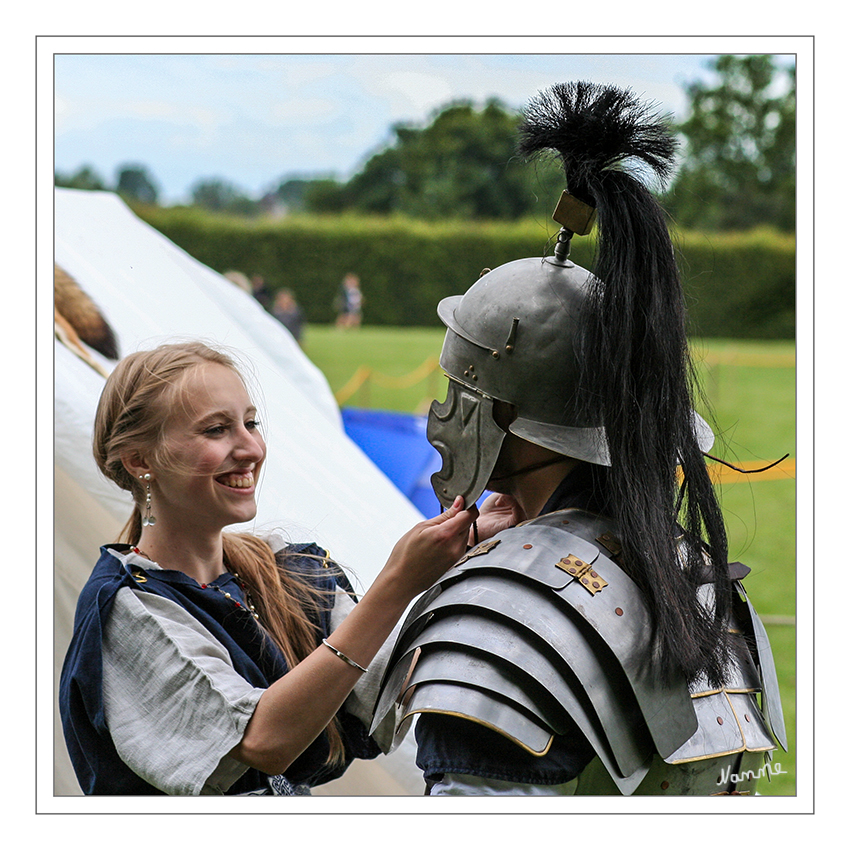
(737, 166)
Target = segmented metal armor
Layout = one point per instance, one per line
(541, 625)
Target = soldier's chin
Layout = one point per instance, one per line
(500, 485)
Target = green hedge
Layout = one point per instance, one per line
(738, 285)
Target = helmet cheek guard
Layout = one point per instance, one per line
(464, 432)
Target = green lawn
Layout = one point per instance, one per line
(750, 387)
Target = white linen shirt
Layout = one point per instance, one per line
(174, 704)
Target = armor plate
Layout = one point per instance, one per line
(516, 637)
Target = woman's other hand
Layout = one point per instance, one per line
(498, 512)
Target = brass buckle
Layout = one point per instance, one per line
(583, 571)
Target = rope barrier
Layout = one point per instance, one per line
(394, 382)
(784, 470)
(432, 364)
(720, 473)
(736, 358)
(354, 383)
(404, 381)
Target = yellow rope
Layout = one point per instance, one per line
(721, 474)
(355, 382)
(364, 374)
(404, 381)
(785, 470)
(735, 358)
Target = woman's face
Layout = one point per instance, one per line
(214, 451)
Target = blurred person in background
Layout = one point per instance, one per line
(286, 310)
(349, 302)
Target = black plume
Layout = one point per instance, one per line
(636, 365)
(595, 129)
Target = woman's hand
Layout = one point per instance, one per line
(498, 512)
(298, 706)
(430, 548)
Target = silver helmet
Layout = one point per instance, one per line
(511, 338)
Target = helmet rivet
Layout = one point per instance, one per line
(495, 355)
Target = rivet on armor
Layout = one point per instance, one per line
(719, 721)
(747, 718)
(483, 272)
(611, 543)
(665, 785)
(527, 546)
(618, 612)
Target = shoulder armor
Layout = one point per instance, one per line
(539, 626)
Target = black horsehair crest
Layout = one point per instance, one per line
(635, 361)
(594, 129)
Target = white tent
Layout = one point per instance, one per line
(317, 485)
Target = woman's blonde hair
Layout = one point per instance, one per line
(130, 420)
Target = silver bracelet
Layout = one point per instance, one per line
(345, 658)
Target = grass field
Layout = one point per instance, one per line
(750, 388)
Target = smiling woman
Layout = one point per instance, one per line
(206, 661)
(204, 478)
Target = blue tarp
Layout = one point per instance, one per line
(397, 444)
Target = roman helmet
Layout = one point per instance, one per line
(512, 337)
(540, 333)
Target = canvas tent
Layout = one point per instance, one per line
(316, 485)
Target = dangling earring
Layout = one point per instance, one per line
(147, 517)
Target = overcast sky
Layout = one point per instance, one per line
(253, 118)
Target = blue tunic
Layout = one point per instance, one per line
(96, 762)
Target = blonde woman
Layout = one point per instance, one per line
(213, 662)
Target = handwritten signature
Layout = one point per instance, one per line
(727, 776)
